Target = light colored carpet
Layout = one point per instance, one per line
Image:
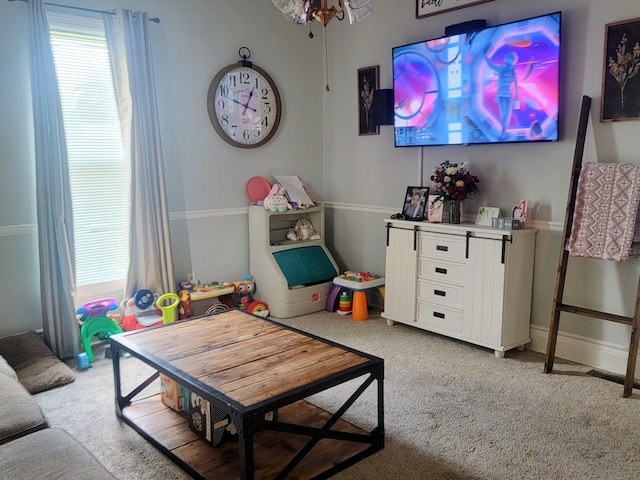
(452, 411)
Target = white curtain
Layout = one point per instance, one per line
(55, 219)
(151, 264)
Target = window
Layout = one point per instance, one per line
(98, 166)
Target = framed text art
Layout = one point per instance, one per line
(621, 72)
(368, 79)
(426, 8)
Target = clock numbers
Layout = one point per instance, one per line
(244, 105)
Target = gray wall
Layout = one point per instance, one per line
(361, 178)
(206, 177)
(369, 171)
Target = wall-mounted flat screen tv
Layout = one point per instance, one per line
(494, 85)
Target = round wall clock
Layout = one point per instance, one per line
(244, 104)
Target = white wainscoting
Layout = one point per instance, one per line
(600, 355)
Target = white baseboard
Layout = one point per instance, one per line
(600, 355)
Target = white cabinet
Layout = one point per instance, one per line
(464, 281)
(402, 266)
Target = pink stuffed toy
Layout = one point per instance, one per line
(277, 200)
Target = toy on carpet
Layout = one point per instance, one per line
(168, 310)
(147, 309)
(216, 308)
(244, 297)
(303, 230)
(95, 322)
(244, 288)
(185, 309)
(98, 308)
(139, 311)
(344, 304)
(258, 308)
(238, 294)
(211, 289)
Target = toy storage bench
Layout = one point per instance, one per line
(292, 277)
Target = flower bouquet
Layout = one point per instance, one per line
(454, 183)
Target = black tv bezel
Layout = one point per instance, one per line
(474, 30)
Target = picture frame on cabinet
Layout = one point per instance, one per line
(427, 8)
(486, 214)
(435, 207)
(368, 80)
(415, 203)
(520, 212)
(620, 99)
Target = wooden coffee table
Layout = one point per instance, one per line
(249, 367)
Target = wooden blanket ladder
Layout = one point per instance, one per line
(558, 305)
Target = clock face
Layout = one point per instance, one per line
(244, 105)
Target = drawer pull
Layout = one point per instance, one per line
(440, 293)
(438, 315)
(442, 248)
(441, 270)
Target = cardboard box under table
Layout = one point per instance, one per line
(246, 366)
(173, 395)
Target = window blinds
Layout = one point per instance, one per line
(98, 166)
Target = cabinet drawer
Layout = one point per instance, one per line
(449, 247)
(440, 294)
(440, 317)
(441, 271)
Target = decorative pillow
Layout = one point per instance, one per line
(37, 367)
(6, 369)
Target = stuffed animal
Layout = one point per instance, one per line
(303, 231)
(277, 201)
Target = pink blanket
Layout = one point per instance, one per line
(606, 212)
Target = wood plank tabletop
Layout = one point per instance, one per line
(244, 357)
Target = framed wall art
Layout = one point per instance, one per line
(426, 8)
(486, 214)
(620, 99)
(368, 79)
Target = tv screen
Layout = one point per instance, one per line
(494, 85)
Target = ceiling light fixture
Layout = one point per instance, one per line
(308, 11)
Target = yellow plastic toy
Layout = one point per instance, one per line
(168, 311)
